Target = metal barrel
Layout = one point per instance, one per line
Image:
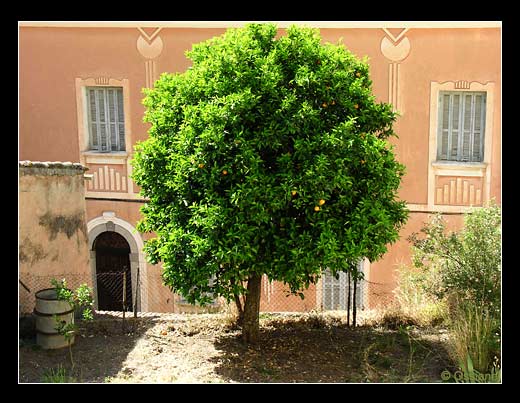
(47, 307)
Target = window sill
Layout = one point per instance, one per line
(457, 168)
(459, 164)
(96, 157)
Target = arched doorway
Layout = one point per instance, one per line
(112, 253)
(108, 222)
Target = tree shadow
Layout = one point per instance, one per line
(99, 350)
(319, 352)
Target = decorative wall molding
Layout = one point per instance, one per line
(395, 39)
(393, 85)
(458, 191)
(149, 50)
(102, 80)
(110, 178)
(148, 37)
(462, 85)
(150, 73)
(395, 49)
(150, 47)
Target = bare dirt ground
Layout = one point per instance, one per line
(207, 348)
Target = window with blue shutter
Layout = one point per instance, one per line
(106, 121)
(461, 126)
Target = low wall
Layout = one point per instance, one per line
(53, 241)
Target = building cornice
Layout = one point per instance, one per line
(281, 24)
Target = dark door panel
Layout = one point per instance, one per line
(112, 260)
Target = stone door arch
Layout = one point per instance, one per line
(109, 222)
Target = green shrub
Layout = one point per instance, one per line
(464, 268)
(466, 264)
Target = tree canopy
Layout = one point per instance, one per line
(269, 155)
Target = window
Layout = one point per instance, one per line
(461, 126)
(335, 290)
(106, 122)
(214, 301)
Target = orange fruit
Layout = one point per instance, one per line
(324, 104)
(316, 208)
(356, 106)
(321, 202)
(224, 172)
(201, 166)
(333, 102)
(358, 74)
(293, 192)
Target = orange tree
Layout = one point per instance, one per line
(268, 156)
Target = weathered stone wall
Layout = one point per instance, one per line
(52, 239)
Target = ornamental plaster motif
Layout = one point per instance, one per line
(395, 49)
(150, 46)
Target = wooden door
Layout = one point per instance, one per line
(112, 260)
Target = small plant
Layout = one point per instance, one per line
(81, 298)
(58, 375)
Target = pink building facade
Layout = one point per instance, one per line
(80, 93)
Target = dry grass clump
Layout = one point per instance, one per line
(413, 304)
(475, 336)
(394, 318)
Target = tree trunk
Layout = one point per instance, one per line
(251, 321)
(239, 306)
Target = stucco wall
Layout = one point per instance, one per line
(52, 227)
(404, 63)
(64, 54)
